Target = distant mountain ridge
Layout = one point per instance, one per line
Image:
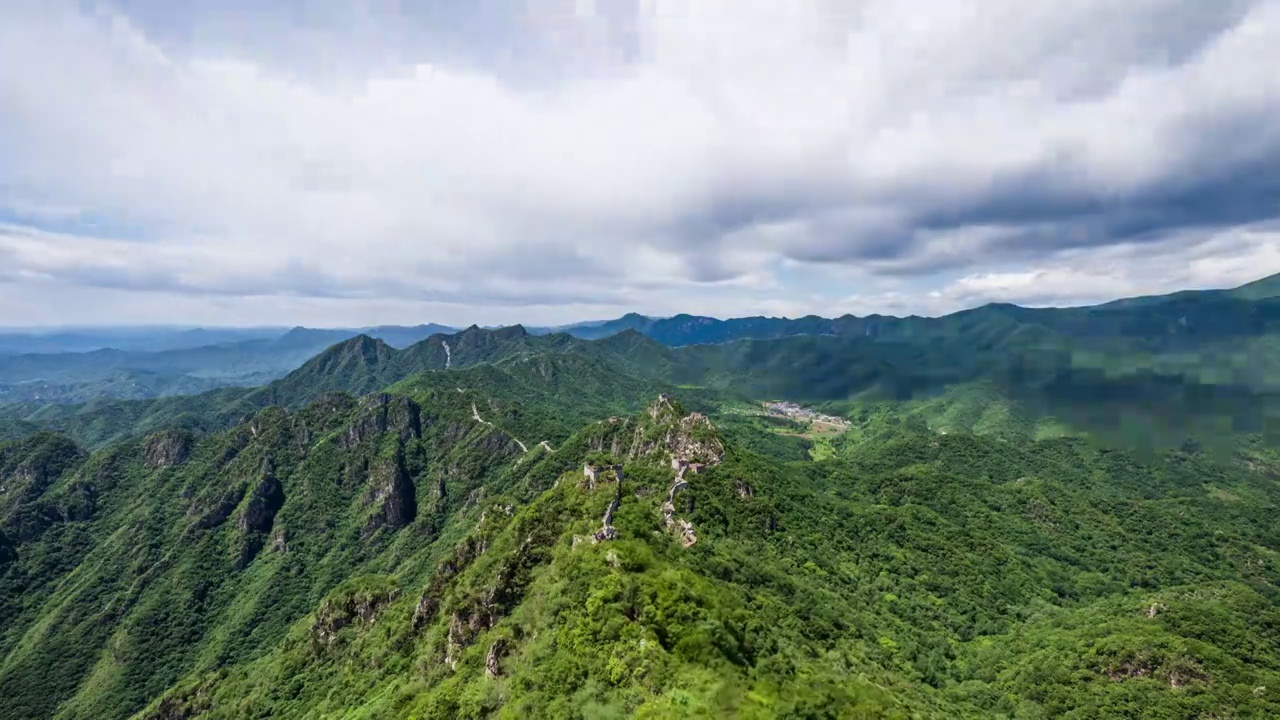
(1250, 309)
(108, 372)
(152, 340)
(1237, 321)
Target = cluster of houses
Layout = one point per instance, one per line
(798, 412)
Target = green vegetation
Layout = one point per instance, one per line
(1012, 526)
(417, 563)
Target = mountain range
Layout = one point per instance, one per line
(1153, 324)
(1005, 512)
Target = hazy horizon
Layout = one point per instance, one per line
(329, 163)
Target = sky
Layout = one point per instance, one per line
(333, 163)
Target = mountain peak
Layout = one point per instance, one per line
(513, 331)
(361, 350)
(664, 409)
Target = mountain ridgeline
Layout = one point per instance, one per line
(73, 367)
(1002, 513)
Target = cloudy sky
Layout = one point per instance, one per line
(341, 163)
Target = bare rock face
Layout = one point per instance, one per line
(393, 492)
(696, 440)
(425, 611)
(663, 432)
(219, 510)
(347, 608)
(265, 500)
(380, 413)
(497, 651)
(664, 409)
(464, 626)
(280, 540)
(168, 448)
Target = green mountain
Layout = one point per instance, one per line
(1268, 287)
(1112, 389)
(597, 330)
(404, 556)
(1004, 513)
(76, 376)
(1240, 324)
(1179, 319)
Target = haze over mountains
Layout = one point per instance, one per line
(180, 362)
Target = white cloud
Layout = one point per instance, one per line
(733, 137)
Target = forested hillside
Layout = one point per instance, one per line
(1008, 519)
(404, 555)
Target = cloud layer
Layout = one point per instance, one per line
(727, 157)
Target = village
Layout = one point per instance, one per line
(804, 414)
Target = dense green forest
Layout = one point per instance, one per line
(1013, 518)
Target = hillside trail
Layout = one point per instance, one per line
(475, 414)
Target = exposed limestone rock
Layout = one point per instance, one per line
(464, 625)
(380, 413)
(393, 492)
(663, 409)
(221, 509)
(499, 443)
(483, 611)
(437, 494)
(663, 432)
(425, 611)
(344, 608)
(302, 436)
(280, 540)
(168, 448)
(257, 515)
(463, 555)
(743, 490)
(265, 500)
(697, 440)
(497, 651)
